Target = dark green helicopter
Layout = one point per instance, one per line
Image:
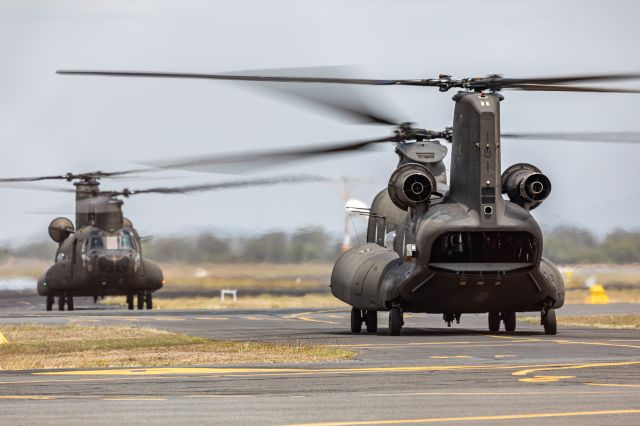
(102, 254)
(435, 247)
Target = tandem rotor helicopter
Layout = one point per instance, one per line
(461, 248)
(102, 254)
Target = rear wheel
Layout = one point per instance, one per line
(395, 321)
(371, 319)
(149, 300)
(509, 319)
(494, 322)
(356, 320)
(61, 303)
(70, 303)
(130, 302)
(49, 303)
(550, 324)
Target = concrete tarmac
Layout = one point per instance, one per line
(428, 374)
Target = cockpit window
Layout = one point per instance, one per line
(483, 247)
(122, 240)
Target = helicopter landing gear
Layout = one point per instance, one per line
(140, 300)
(130, 302)
(449, 318)
(494, 322)
(69, 303)
(356, 320)
(371, 320)
(548, 320)
(396, 321)
(509, 319)
(95, 299)
(61, 301)
(148, 300)
(49, 303)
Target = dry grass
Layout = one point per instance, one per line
(78, 346)
(626, 321)
(263, 301)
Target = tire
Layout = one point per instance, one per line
(141, 301)
(494, 322)
(550, 323)
(69, 303)
(50, 303)
(356, 320)
(130, 302)
(371, 320)
(149, 300)
(61, 303)
(395, 321)
(509, 319)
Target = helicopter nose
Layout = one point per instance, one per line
(113, 263)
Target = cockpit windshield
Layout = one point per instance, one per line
(122, 240)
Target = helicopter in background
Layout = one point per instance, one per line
(459, 247)
(102, 254)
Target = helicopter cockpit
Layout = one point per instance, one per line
(121, 240)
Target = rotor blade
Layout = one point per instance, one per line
(238, 77)
(72, 176)
(565, 88)
(275, 180)
(614, 137)
(252, 161)
(33, 179)
(510, 82)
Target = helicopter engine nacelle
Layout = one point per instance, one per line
(410, 185)
(525, 185)
(60, 228)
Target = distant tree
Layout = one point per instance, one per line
(568, 244)
(311, 244)
(270, 247)
(621, 246)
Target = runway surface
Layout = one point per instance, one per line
(429, 374)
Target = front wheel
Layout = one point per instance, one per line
(494, 322)
(149, 300)
(509, 319)
(549, 322)
(371, 319)
(395, 321)
(356, 320)
(49, 303)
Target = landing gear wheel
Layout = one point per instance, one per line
(356, 320)
(494, 322)
(130, 302)
(549, 322)
(509, 319)
(61, 303)
(395, 321)
(149, 300)
(371, 320)
(49, 303)
(141, 301)
(69, 303)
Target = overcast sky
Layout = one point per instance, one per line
(52, 124)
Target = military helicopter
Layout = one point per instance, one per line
(102, 254)
(458, 249)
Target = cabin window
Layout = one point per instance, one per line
(484, 247)
(96, 242)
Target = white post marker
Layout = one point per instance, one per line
(233, 293)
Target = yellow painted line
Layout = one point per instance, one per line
(134, 399)
(476, 418)
(533, 393)
(252, 318)
(505, 356)
(575, 367)
(3, 340)
(31, 397)
(167, 318)
(545, 379)
(616, 385)
(315, 320)
(219, 396)
(577, 342)
(449, 356)
(212, 318)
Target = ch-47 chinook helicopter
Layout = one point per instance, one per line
(102, 254)
(461, 249)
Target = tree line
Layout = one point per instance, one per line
(565, 244)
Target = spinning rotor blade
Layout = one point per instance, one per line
(11, 185)
(443, 82)
(251, 161)
(73, 176)
(565, 88)
(248, 183)
(614, 137)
